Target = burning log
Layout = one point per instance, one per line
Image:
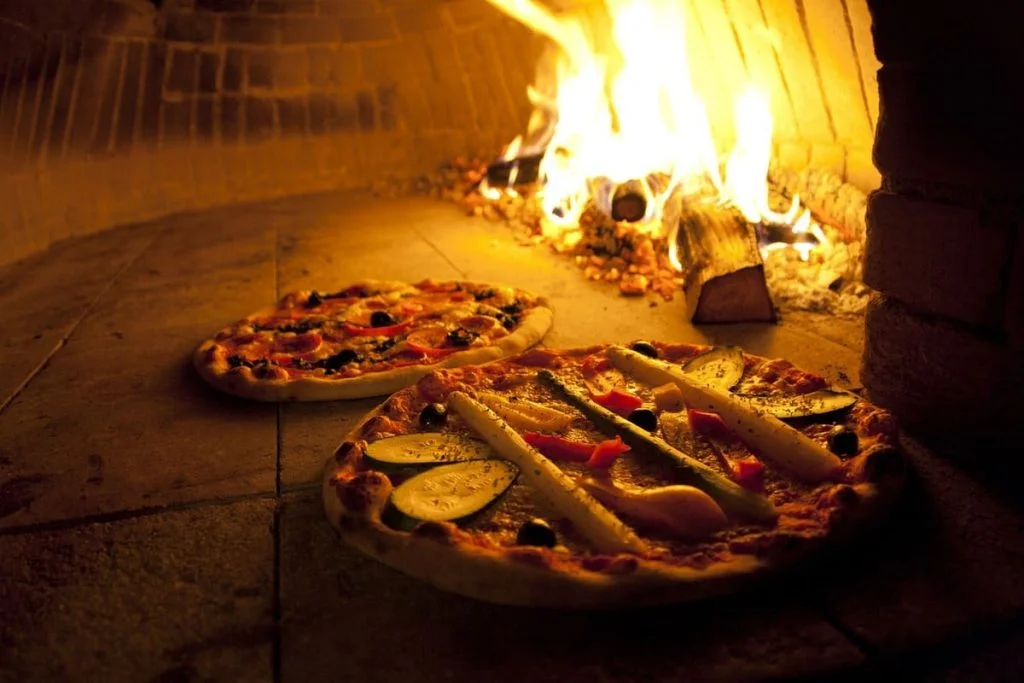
(516, 171)
(722, 268)
(629, 202)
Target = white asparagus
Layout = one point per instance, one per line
(597, 524)
(525, 414)
(768, 435)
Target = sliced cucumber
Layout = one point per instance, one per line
(453, 492)
(720, 367)
(820, 402)
(428, 448)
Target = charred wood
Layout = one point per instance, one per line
(723, 272)
(518, 171)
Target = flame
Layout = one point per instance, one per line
(604, 118)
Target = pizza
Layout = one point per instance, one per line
(612, 475)
(368, 339)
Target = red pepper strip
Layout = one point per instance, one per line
(606, 452)
(618, 401)
(748, 472)
(710, 425)
(557, 448)
(388, 331)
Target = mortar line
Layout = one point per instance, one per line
(440, 253)
(89, 308)
(133, 513)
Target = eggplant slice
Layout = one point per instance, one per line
(721, 367)
(822, 402)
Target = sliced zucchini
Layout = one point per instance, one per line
(820, 402)
(720, 367)
(428, 448)
(452, 492)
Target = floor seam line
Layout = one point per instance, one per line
(89, 308)
(440, 253)
(133, 513)
(276, 609)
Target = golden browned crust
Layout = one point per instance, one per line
(211, 361)
(446, 557)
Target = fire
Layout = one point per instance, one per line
(605, 118)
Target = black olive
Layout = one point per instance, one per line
(433, 415)
(644, 418)
(537, 532)
(238, 361)
(645, 348)
(314, 300)
(843, 441)
(460, 337)
(339, 360)
(381, 319)
(482, 294)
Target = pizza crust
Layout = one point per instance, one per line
(443, 558)
(213, 366)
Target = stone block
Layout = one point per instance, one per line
(468, 14)
(234, 70)
(294, 115)
(291, 70)
(224, 5)
(259, 119)
(79, 602)
(191, 27)
(206, 118)
(260, 67)
(175, 121)
(286, 6)
(950, 126)
(943, 259)
(250, 30)
(308, 30)
(1014, 315)
(231, 119)
(366, 29)
(349, 8)
(940, 378)
(417, 16)
(209, 71)
(181, 76)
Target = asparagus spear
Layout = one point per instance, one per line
(727, 493)
(769, 436)
(601, 527)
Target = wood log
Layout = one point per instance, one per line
(723, 274)
(517, 171)
(628, 202)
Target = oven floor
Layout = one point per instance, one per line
(153, 529)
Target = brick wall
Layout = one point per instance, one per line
(945, 249)
(115, 111)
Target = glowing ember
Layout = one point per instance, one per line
(631, 115)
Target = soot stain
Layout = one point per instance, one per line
(19, 492)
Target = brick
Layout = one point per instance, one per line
(175, 118)
(294, 115)
(191, 27)
(470, 13)
(234, 71)
(259, 118)
(939, 258)
(366, 110)
(319, 113)
(231, 119)
(320, 66)
(349, 8)
(346, 67)
(951, 127)
(417, 16)
(937, 377)
(1014, 316)
(260, 69)
(252, 30)
(181, 77)
(368, 29)
(860, 25)
(224, 5)
(291, 70)
(286, 6)
(135, 66)
(308, 30)
(387, 99)
(209, 71)
(830, 158)
(343, 116)
(860, 169)
(206, 119)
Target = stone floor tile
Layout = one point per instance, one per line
(179, 596)
(348, 618)
(120, 419)
(44, 297)
(950, 557)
